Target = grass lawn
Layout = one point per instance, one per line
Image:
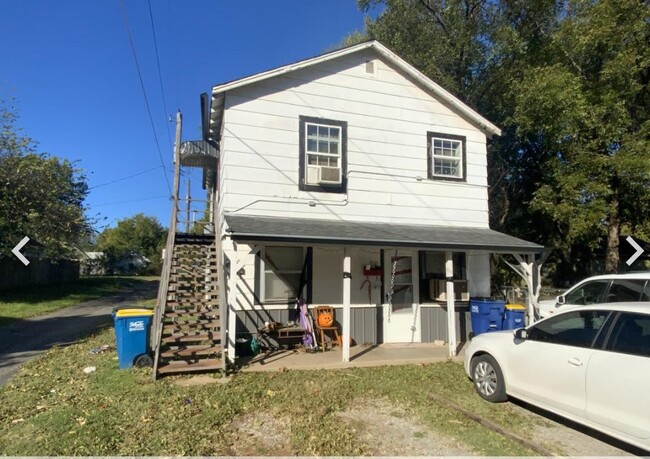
(53, 408)
(36, 301)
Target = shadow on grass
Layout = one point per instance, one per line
(87, 287)
(23, 339)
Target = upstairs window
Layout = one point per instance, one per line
(323, 154)
(446, 156)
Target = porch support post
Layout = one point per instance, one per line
(346, 306)
(233, 285)
(451, 304)
(232, 301)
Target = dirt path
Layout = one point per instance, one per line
(25, 339)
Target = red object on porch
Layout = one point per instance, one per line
(322, 331)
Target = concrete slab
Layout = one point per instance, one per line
(360, 356)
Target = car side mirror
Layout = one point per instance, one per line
(560, 299)
(521, 333)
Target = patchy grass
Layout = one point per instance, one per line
(36, 301)
(53, 408)
(150, 303)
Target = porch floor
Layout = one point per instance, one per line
(360, 356)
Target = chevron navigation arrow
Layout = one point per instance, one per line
(16, 250)
(635, 255)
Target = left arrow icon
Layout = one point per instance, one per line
(16, 250)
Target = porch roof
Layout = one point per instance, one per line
(250, 228)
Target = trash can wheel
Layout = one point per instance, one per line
(143, 361)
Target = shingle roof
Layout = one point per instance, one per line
(315, 231)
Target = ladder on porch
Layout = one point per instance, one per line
(188, 333)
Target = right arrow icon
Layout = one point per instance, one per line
(637, 247)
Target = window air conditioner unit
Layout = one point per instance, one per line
(438, 290)
(317, 175)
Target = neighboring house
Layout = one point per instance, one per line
(92, 263)
(95, 264)
(355, 166)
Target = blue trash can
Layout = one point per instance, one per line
(132, 331)
(514, 317)
(486, 315)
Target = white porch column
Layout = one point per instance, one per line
(346, 306)
(232, 302)
(451, 304)
(233, 288)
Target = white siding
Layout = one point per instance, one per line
(388, 118)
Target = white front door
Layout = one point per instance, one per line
(401, 311)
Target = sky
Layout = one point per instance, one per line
(69, 67)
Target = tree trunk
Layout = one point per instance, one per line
(612, 258)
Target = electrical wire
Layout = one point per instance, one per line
(144, 93)
(132, 200)
(162, 91)
(124, 178)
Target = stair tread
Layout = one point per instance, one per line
(188, 338)
(189, 351)
(184, 367)
(208, 325)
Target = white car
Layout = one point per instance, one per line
(610, 288)
(590, 364)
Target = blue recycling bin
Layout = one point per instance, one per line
(514, 317)
(132, 331)
(486, 314)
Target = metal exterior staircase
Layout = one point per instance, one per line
(188, 335)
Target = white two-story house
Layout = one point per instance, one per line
(352, 180)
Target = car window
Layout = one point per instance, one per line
(625, 290)
(645, 296)
(588, 293)
(576, 328)
(631, 335)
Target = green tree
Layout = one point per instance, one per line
(568, 83)
(137, 235)
(41, 196)
(586, 105)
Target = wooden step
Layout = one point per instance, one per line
(205, 324)
(189, 337)
(189, 313)
(181, 366)
(191, 351)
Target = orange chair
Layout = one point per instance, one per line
(324, 322)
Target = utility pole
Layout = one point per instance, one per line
(187, 218)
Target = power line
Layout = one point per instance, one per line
(124, 178)
(132, 200)
(144, 93)
(162, 91)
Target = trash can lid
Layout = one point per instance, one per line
(519, 307)
(133, 312)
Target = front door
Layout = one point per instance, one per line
(401, 312)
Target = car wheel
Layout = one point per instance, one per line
(488, 379)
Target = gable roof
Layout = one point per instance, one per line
(219, 91)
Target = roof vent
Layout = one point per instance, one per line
(370, 67)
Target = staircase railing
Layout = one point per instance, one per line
(163, 289)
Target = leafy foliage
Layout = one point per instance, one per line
(568, 82)
(137, 235)
(41, 196)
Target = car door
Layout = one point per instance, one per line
(617, 391)
(549, 366)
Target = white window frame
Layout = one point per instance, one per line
(460, 158)
(263, 271)
(338, 155)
